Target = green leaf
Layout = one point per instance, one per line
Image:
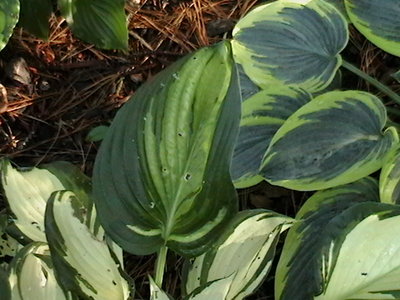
(389, 181)
(97, 134)
(262, 115)
(313, 243)
(378, 21)
(248, 245)
(291, 43)
(162, 174)
(9, 14)
(27, 192)
(156, 293)
(83, 262)
(217, 289)
(335, 139)
(32, 275)
(35, 15)
(101, 22)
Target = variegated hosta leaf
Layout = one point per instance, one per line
(9, 14)
(217, 290)
(262, 115)
(339, 4)
(34, 17)
(162, 174)
(83, 262)
(101, 22)
(319, 240)
(32, 275)
(389, 181)
(248, 245)
(27, 192)
(378, 21)
(291, 43)
(335, 139)
(247, 87)
(156, 293)
(8, 245)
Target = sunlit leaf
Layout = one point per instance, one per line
(9, 14)
(162, 174)
(83, 262)
(248, 245)
(335, 139)
(156, 293)
(262, 115)
(291, 43)
(378, 21)
(101, 22)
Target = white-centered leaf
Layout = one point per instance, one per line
(83, 262)
(156, 293)
(335, 139)
(32, 275)
(248, 245)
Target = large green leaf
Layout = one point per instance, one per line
(32, 275)
(344, 246)
(335, 139)
(262, 115)
(248, 245)
(162, 174)
(27, 192)
(101, 22)
(291, 43)
(9, 14)
(378, 21)
(34, 17)
(389, 181)
(82, 259)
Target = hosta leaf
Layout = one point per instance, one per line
(97, 134)
(162, 174)
(34, 17)
(313, 243)
(335, 139)
(156, 293)
(27, 192)
(291, 43)
(101, 22)
(378, 21)
(83, 262)
(262, 115)
(217, 289)
(32, 275)
(389, 181)
(9, 14)
(5, 290)
(247, 87)
(248, 245)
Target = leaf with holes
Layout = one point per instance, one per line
(162, 174)
(9, 14)
(262, 115)
(335, 139)
(32, 275)
(378, 21)
(249, 245)
(344, 238)
(101, 22)
(83, 262)
(27, 192)
(291, 43)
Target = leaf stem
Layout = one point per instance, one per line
(379, 85)
(160, 265)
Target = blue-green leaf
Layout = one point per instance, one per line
(291, 43)
(101, 22)
(389, 181)
(262, 115)
(335, 139)
(344, 246)
(162, 174)
(378, 21)
(9, 14)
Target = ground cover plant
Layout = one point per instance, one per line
(261, 106)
